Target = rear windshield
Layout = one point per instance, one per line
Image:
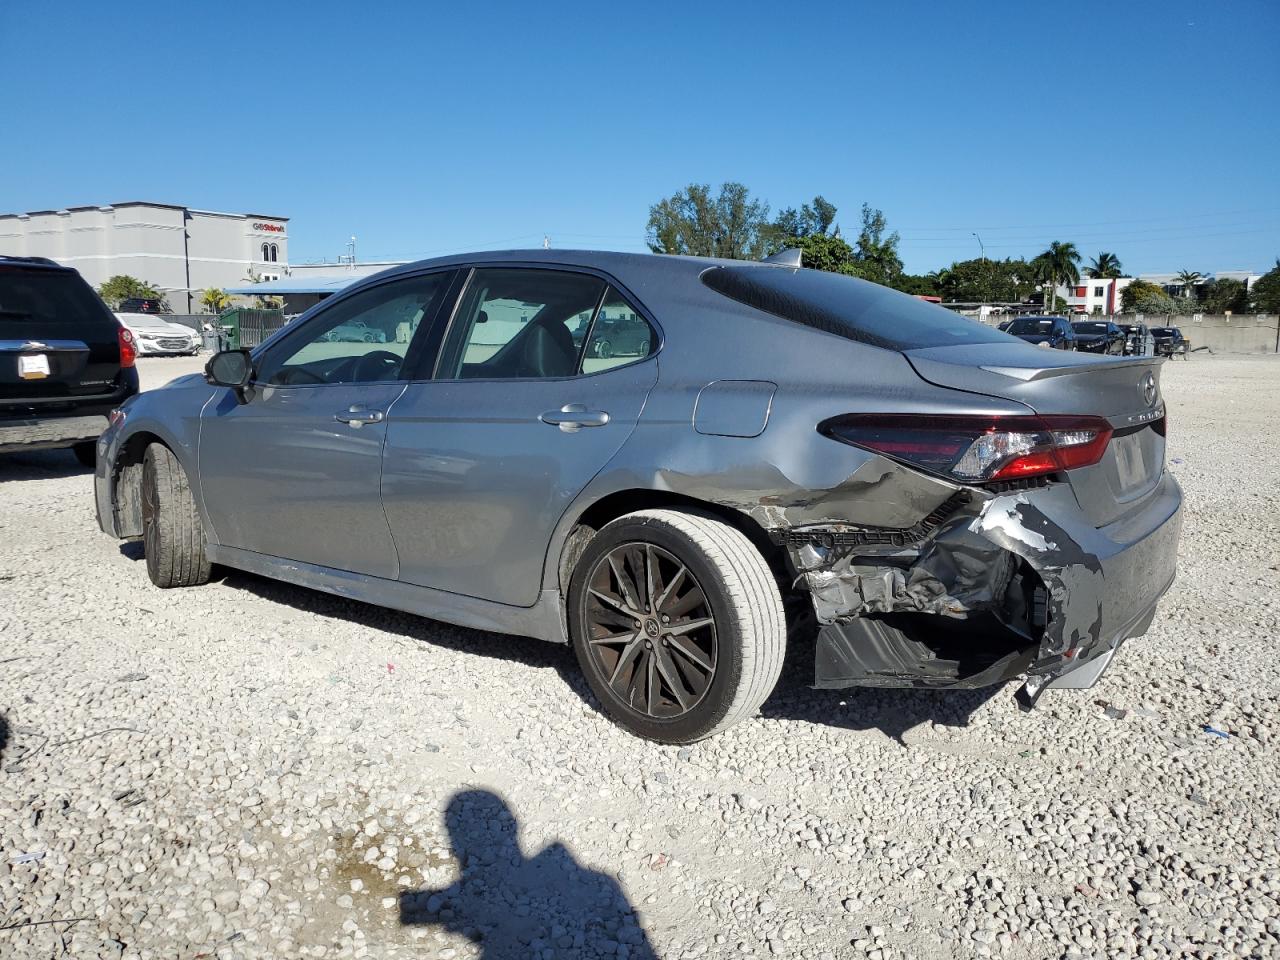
(1090, 327)
(848, 307)
(47, 296)
(1031, 325)
(1164, 331)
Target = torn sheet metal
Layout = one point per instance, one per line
(956, 574)
(1072, 575)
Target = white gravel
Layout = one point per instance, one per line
(251, 769)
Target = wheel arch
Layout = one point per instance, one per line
(619, 503)
(125, 473)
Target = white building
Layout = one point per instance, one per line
(179, 250)
(1095, 295)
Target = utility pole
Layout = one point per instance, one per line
(982, 253)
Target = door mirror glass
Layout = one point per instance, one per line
(230, 368)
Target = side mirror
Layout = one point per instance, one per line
(230, 368)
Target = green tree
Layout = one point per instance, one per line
(1105, 266)
(1219, 296)
(122, 287)
(1056, 267)
(918, 285)
(813, 219)
(1188, 279)
(1265, 292)
(1143, 297)
(693, 222)
(214, 300)
(983, 279)
(875, 254)
(821, 251)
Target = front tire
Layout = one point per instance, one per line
(677, 624)
(172, 533)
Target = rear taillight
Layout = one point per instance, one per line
(978, 449)
(128, 347)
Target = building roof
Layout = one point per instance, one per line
(320, 284)
(141, 203)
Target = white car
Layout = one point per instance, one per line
(157, 336)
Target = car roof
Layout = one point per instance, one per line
(39, 263)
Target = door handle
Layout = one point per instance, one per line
(357, 416)
(572, 417)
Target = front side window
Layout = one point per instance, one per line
(520, 323)
(362, 338)
(619, 336)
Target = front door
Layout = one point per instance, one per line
(524, 410)
(295, 471)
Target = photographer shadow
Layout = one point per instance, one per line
(513, 906)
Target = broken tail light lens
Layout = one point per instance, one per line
(128, 347)
(978, 449)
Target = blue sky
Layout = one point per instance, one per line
(1147, 129)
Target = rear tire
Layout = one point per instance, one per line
(725, 670)
(172, 533)
(87, 453)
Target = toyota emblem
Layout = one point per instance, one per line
(1149, 389)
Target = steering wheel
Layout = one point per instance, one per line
(376, 365)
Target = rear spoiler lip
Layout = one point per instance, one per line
(1029, 374)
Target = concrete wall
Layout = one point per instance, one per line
(1244, 333)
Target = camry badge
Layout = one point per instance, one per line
(1149, 389)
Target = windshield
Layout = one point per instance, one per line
(847, 307)
(1164, 331)
(1031, 325)
(48, 296)
(1090, 327)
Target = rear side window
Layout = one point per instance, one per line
(848, 307)
(51, 297)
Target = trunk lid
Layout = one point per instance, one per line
(57, 338)
(1126, 391)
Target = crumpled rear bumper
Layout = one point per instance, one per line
(1028, 563)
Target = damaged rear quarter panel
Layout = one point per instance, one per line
(789, 475)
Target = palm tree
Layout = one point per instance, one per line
(214, 300)
(1057, 267)
(1188, 279)
(1106, 266)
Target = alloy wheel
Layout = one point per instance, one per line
(650, 630)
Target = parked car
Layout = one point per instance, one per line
(157, 336)
(624, 336)
(1054, 332)
(1169, 342)
(65, 361)
(925, 501)
(1099, 336)
(356, 332)
(1138, 340)
(142, 305)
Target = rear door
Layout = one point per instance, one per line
(482, 461)
(58, 340)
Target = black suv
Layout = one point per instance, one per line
(65, 360)
(1053, 332)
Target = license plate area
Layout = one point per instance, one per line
(33, 366)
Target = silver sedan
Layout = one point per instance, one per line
(777, 456)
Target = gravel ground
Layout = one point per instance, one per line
(251, 769)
